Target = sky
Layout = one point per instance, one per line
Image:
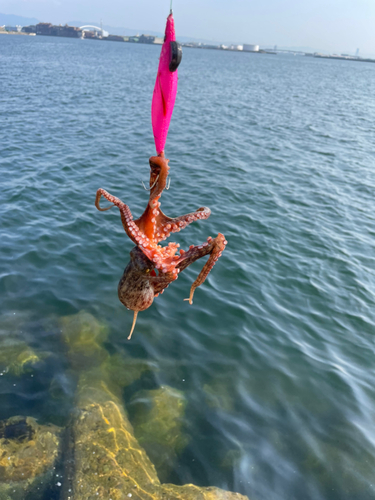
(331, 25)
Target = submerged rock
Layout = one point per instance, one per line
(83, 329)
(124, 370)
(96, 385)
(232, 458)
(105, 460)
(84, 336)
(219, 394)
(28, 452)
(102, 456)
(158, 425)
(17, 358)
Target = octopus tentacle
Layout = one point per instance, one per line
(133, 325)
(215, 248)
(101, 192)
(130, 227)
(142, 233)
(167, 225)
(161, 282)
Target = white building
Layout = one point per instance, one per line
(250, 48)
(236, 47)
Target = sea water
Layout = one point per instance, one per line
(275, 359)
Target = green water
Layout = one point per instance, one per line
(273, 365)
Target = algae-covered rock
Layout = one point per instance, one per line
(159, 417)
(219, 394)
(124, 370)
(102, 456)
(105, 460)
(232, 458)
(192, 492)
(28, 452)
(84, 336)
(158, 425)
(108, 461)
(17, 358)
(83, 328)
(96, 385)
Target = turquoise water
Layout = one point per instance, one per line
(276, 355)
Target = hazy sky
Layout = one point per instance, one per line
(334, 25)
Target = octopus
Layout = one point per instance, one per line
(153, 267)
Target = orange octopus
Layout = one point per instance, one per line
(153, 267)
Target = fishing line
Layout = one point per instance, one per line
(171, 6)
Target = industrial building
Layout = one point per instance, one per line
(49, 29)
(250, 48)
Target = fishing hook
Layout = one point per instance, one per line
(168, 184)
(149, 189)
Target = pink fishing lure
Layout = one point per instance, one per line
(165, 90)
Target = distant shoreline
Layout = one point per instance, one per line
(344, 58)
(117, 38)
(15, 33)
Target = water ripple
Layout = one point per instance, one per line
(276, 355)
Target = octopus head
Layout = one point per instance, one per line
(135, 290)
